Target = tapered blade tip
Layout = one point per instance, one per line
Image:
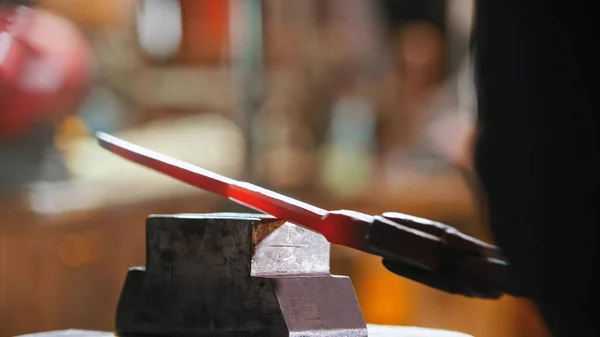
(110, 142)
(102, 138)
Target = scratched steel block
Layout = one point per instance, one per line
(236, 275)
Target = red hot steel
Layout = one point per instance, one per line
(345, 228)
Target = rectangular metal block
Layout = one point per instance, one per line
(236, 275)
(320, 306)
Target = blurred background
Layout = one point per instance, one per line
(355, 104)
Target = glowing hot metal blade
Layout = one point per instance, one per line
(255, 197)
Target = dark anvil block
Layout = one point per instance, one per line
(236, 275)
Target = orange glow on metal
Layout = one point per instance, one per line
(336, 227)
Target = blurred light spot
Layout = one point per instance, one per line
(422, 44)
(43, 200)
(103, 111)
(5, 44)
(98, 246)
(75, 250)
(54, 198)
(41, 75)
(71, 128)
(159, 27)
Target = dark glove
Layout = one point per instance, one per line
(453, 278)
(460, 264)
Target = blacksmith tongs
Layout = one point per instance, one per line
(425, 251)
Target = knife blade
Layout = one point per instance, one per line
(340, 227)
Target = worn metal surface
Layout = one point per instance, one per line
(282, 248)
(236, 275)
(320, 306)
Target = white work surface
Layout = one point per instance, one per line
(374, 331)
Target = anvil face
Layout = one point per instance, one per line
(236, 275)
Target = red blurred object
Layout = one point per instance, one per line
(206, 31)
(45, 68)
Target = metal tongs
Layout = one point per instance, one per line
(425, 251)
